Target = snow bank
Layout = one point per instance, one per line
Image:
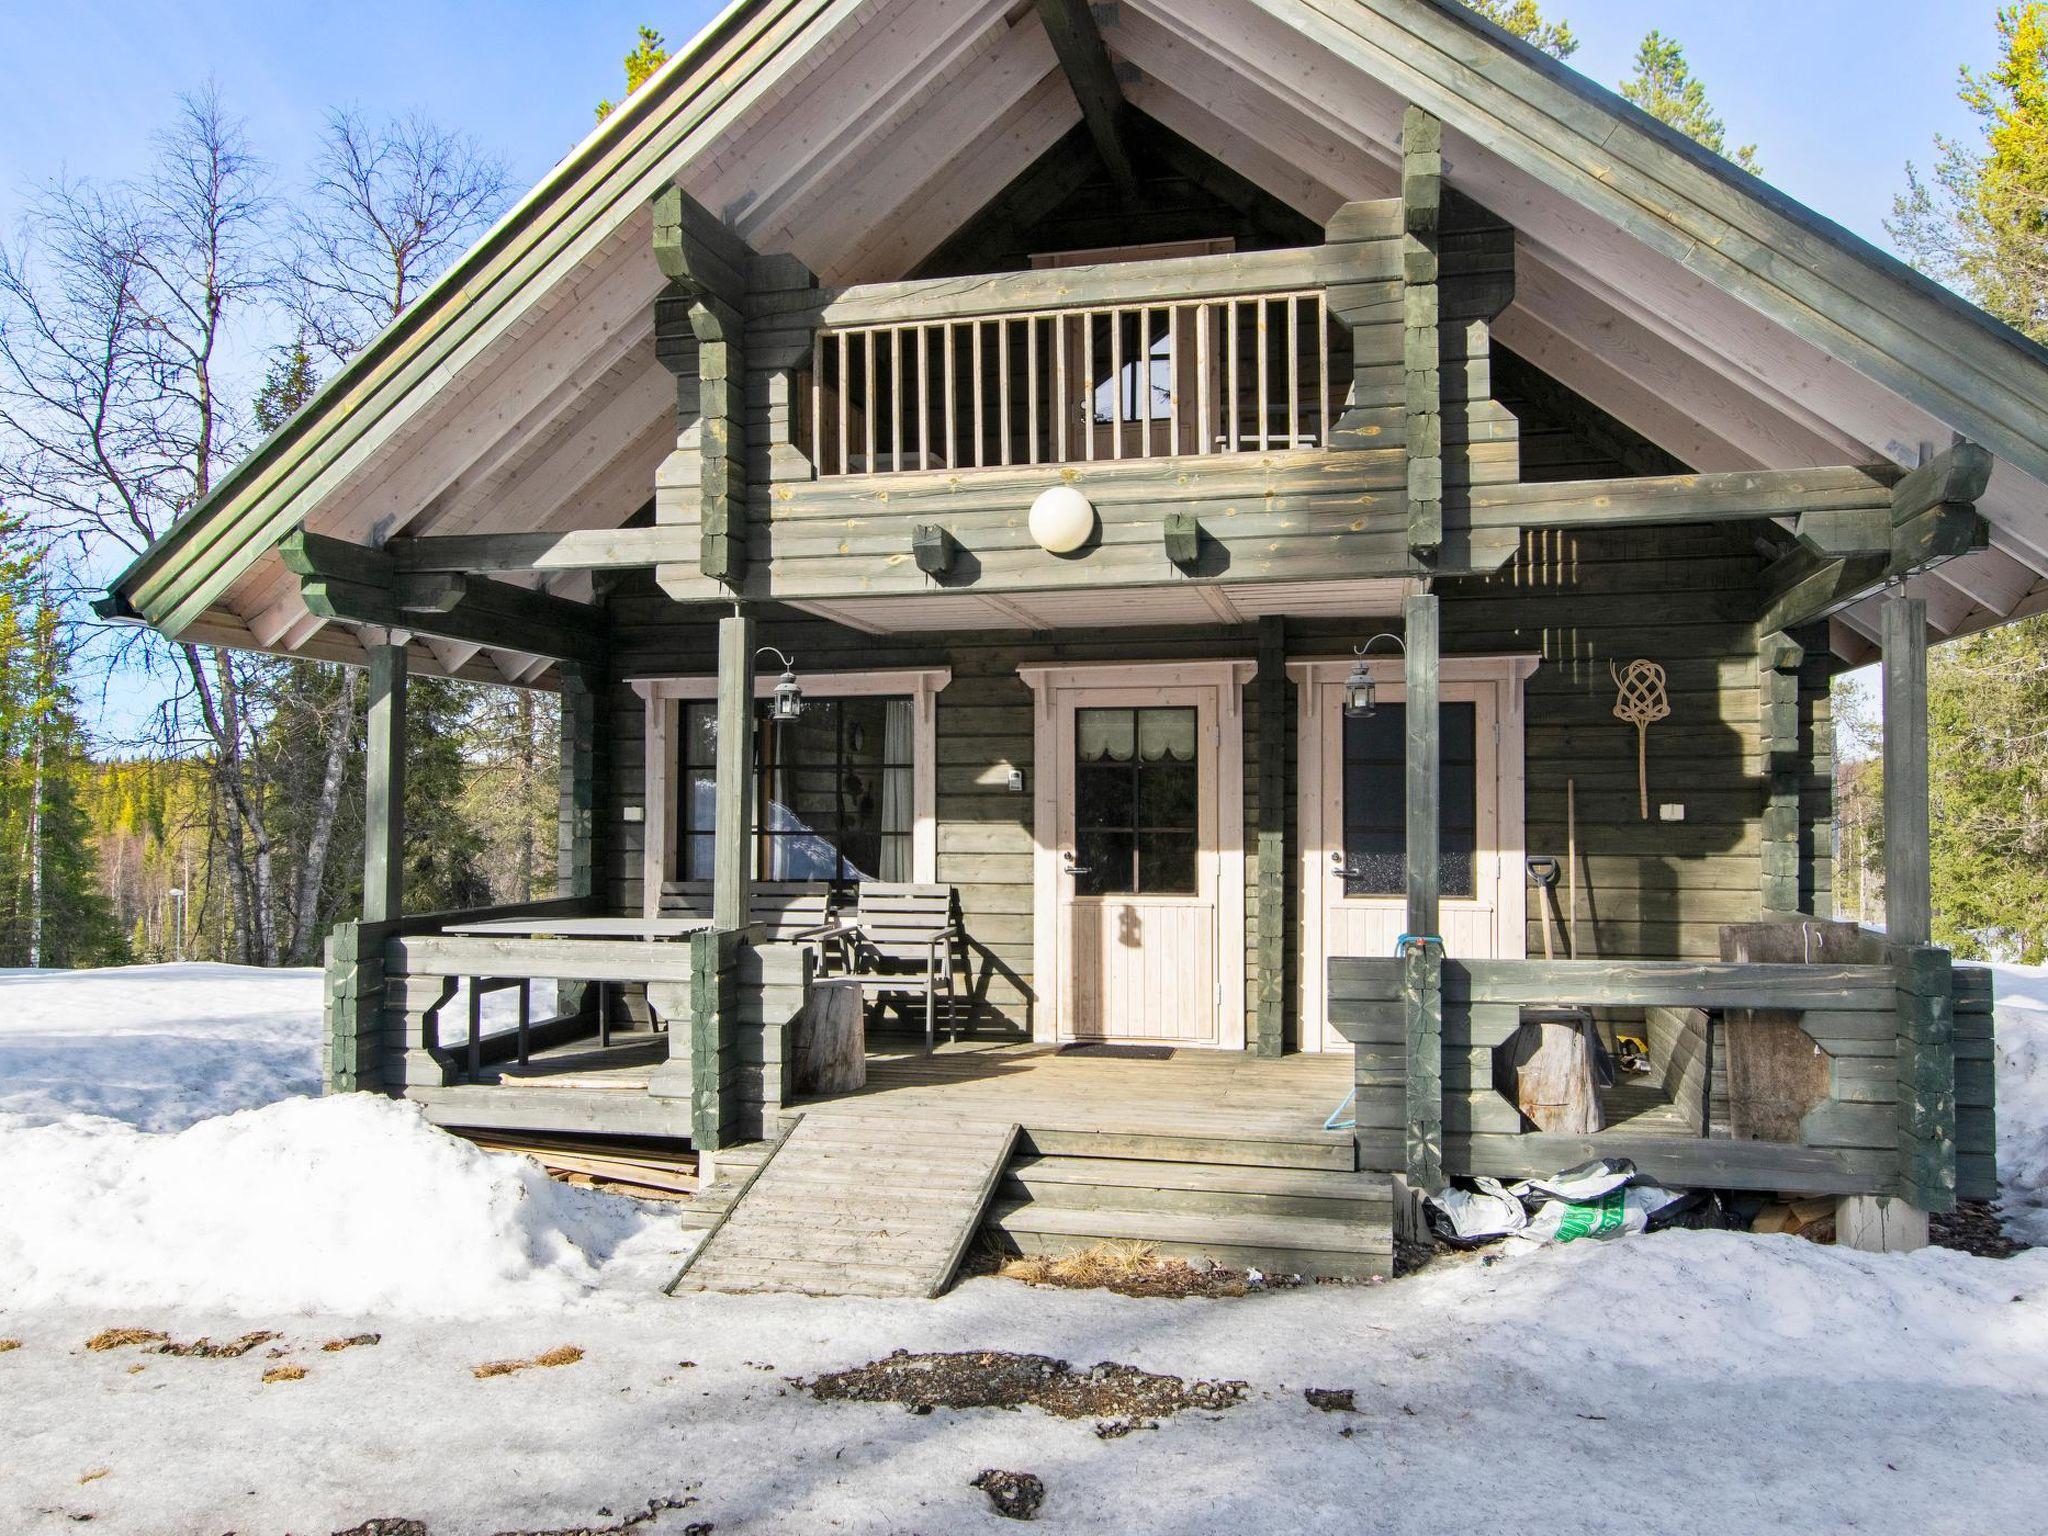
(347, 1205)
(2021, 994)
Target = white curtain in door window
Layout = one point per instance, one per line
(899, 746)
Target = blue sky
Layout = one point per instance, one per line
(1836, 94)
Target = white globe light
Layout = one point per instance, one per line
(1062, 519)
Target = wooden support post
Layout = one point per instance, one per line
(384, 785)
(1275, 720)
(1423, 956)
(1926, 1004)
(578, 870)
(1422, 193)
(714, 1037)
(1779, 659)
(1908, 892)
(732, 864)
(700, 328)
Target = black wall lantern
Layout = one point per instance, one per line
(786, 701)
(1361, 699)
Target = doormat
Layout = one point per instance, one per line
(1121, 1052)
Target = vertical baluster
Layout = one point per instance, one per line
(1233, 380)
(845, 392)
(980, 415)
(818, 403)
(896, 398)
(1203, 314)
(1116, 380)
(1323, 369)
(1003, 387)
(1265, 382)
(1173, 357)
(1293, 370)
(1145, 379)
(924, 397)
(949, 335)
(867, 363)
(1031, 387)
(1088, 382)
(1060, 327)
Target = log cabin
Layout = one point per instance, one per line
(1145, 598)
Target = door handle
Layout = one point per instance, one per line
(1071, 868)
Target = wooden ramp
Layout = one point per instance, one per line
(852, 1206)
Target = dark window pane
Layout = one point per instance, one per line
(1102, 795)
(1376, 798)
(1103, 863)
(1166, 863)
(1166, 796)
(700, 735)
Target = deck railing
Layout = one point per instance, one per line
(1233, 375)
(1863, 1135)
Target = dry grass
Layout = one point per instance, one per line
(286, 1372)
(353, 1341)
(95, 1475)
(121, 1338)
(561, 1354)
(1128, 1268)
(7, 1344)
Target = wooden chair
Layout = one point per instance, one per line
(903, 943)
(788, 912)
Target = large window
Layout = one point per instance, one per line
(832, 793)
(1376, 801)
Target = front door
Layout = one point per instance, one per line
(1354, 843)
(1137, 850)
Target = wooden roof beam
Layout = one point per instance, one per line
(1084, 59)
(356, 584)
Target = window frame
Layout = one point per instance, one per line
(664, 696)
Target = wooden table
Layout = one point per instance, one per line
(652, 929)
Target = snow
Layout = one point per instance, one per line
(1679, 1383)
(2020, 995)
(350, 1204)
(165, 1046)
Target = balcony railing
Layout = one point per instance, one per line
(1246, 372)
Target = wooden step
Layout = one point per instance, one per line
(850, 1208)
(1333, 1152)
(1120, 1184)
(1274, 1244)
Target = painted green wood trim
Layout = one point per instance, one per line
(1656, 501)
(582, 549)
(579, 828)
(1909, 900)
(607, 179)
(1779, 659)
(732, 816)
(707, 266)
(714, 1030)
(1422, 197)
(1084, 60)
(1926, 1107)
(1276, 725)
(1423, 1003)
(1422, 965)
(384, 787)
(361, 585)
(1365, 258)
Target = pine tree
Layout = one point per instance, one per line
(1664, 86)
(1526, 20)
(1981, 225)
(648, 55)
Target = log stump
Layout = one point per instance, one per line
(831, 1039)
(1556, 1083)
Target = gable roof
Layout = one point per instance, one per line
(1713, 315)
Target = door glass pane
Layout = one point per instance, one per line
(1137, 790)
(1376, 801)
